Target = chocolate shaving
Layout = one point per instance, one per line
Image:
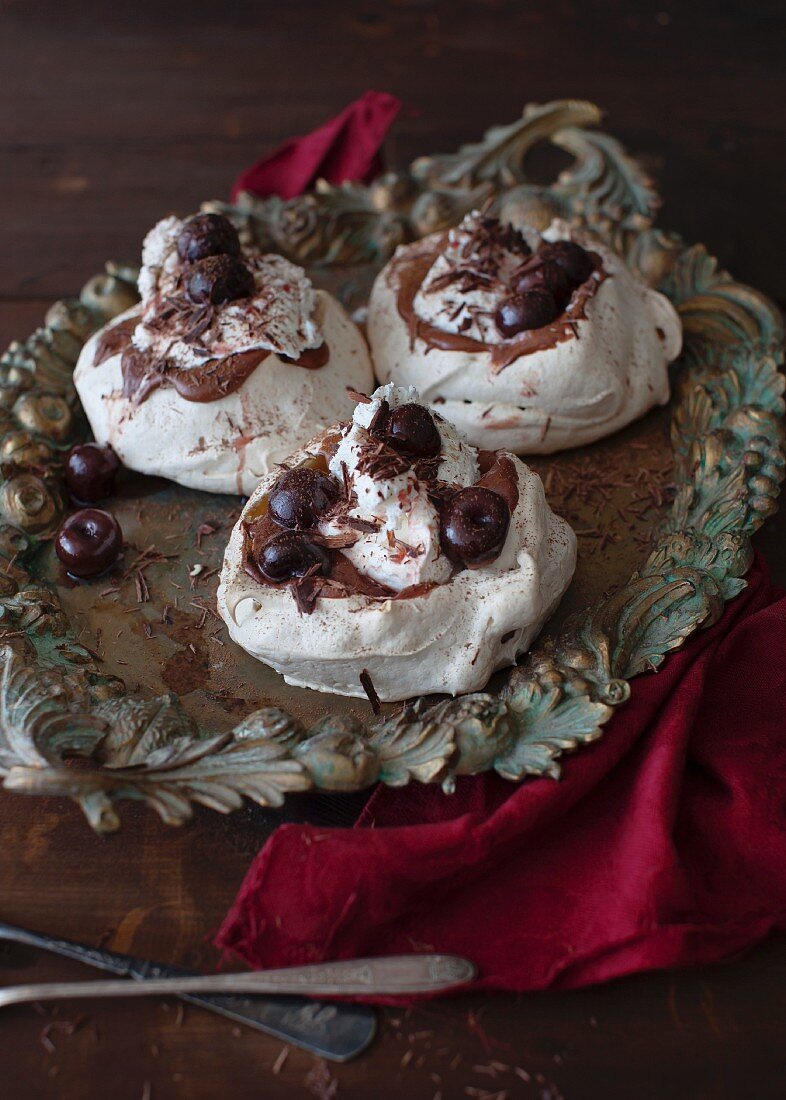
(439, 493)
(206, 529)
(200, 326)
(305, 594)
(403, 551)
(356, 395)
(368, 686)
(306, 589)
(426, 468)
(358, 524)
(381, 462)
(347, 480)
(336, 542)
(466, 279)
(379, 417)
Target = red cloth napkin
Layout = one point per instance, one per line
(346, 148)
(664, 844)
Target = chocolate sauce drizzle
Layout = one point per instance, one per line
(209, 381)
(114, 339)
(408, 273)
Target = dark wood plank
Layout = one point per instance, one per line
(109, 126)
(111, 117)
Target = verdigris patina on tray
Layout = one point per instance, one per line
(70, 726)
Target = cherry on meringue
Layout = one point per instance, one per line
(300, 497)
(290, 555)
(206, 235)
(474, 525)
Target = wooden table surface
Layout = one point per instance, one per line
(112, 115)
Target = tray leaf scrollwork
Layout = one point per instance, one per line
(67, 728)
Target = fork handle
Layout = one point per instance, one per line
(391, 975)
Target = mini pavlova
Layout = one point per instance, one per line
(231, 359)
(530, 343)
(389, 556)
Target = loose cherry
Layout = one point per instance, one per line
(90, 471)
(88, 542)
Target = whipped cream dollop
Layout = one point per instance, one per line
(471, 276)
(599, 363)
(431, 623)
(280, 316)
(404, 549)
(213, 396)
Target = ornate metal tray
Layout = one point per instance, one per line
(130, 688)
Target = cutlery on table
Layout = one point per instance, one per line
(335, 1031)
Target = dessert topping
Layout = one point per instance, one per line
(470, 292)
(211, 313)
(409, 429)
(398, 509)
(474, 525)
(300, 497)
(520, 312)
(218, 279)
(206, 235)
(290, 555)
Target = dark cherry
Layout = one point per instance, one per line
(542, 274)
(90, 472)
(574, 260)
(291, 554)
(207, 235)
(88, 542)
(474, 525)
(300, 497)
(521, 312)
(411, 429)
(218, 279)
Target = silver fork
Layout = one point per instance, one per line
(384, 975)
